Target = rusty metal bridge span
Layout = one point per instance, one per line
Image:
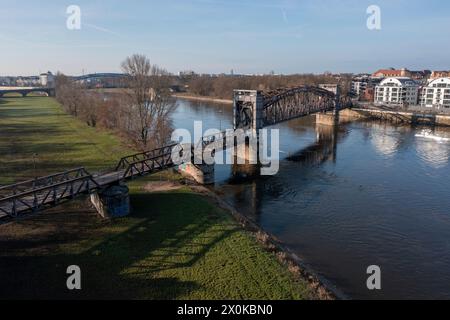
(255, 109)
(252, 110)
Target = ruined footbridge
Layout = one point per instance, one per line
(253, 110)
(34, 195)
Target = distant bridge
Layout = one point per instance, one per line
(99, 76)
(252, 110)
(24, 91)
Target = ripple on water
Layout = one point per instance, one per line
(434, 154)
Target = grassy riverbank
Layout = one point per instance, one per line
(176, 244)
(38, 138)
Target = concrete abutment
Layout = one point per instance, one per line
(112, 202)
(200, 173)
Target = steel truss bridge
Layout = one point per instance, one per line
(257, 109)
(34, 195)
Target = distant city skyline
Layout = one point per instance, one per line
(207, 36)
(192, 72)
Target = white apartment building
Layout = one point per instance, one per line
(362, 83)
(399, 90)
(359, 86)
(47, 79)
(27, 81)
(331, 87)
(436, 94)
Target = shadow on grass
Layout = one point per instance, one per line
(140, 257)
(25, 111)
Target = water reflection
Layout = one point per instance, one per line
(433, 146)
(249, 190)
(385, 139)
(324, 149)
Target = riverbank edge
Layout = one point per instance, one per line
(202, 98)
(395, 117)
(320, 287)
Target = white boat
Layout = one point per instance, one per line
(429, 135)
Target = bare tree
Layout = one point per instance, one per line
(149, 102)
(90, 104)
(78, 101)
(68, 94)
(222, 86)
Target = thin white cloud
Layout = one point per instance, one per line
(98, 28)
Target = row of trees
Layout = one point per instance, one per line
(78, 101)
(222, 87)
(140, 112)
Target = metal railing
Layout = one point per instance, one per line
(125, 162)
(33, 195)
(150, 165)
(42, 181)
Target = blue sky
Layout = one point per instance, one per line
(248, 36)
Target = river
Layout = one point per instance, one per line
(366, 193)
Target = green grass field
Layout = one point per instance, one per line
(37, 138)
(175, 245)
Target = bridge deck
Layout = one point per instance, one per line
(48, 196)
(40, 199)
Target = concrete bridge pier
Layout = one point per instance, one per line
(112, 202)
(248, 110)
(248, 152)
(329, 118)
(243, 171)
(327, 137)
(246, 161)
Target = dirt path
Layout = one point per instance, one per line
(197, 98)
(162, 186)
